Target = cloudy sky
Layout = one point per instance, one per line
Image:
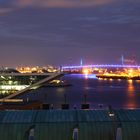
(61, 32)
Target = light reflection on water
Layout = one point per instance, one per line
(90, 76)
(86, 76)
(131, 98)
(131, 87)
(118, 93)
(128, 98)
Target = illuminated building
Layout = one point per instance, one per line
(37, 69)
(11, 80)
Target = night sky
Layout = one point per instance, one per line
(61, 32)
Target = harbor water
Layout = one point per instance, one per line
(98, 93)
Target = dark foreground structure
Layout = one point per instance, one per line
(70, 125)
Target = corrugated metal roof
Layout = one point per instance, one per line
(128, 115)
(13, 131)
(53, 116)
(56, 116)
(72, 116)
(2, 115)
(18, 117)
(93, 115)
(59, 124)
(130, 121)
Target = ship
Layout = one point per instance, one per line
(58, 83)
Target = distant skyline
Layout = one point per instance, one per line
(61, 32)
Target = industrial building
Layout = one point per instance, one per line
(70, 125)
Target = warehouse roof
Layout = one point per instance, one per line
(62, 124)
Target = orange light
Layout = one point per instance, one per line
(85, 71)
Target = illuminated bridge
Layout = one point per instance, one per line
(99, 66)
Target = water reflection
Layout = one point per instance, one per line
(118, 93)
(131, 97)
(85, 93)
(90, 76)
(60, 91)
(131, 88)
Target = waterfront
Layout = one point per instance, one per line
(118, 93)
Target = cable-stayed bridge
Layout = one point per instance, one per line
(99, 66)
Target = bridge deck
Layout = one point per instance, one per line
(100, 66)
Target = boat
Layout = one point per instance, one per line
(57, 83)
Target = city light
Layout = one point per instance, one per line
(85, 71)
(107, 71)
(13, 87)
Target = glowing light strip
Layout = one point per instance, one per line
(101, 66)
(11, 100)
(13, 87)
